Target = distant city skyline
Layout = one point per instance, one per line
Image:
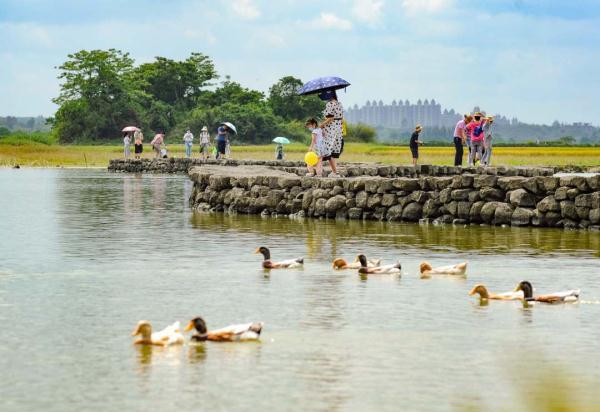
(536, 60)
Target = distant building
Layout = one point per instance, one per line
(404, 115)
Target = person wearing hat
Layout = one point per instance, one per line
(460, 138)
(487, 141)
(204, 142)
(188, 140)
(414, 144)
(475, 130)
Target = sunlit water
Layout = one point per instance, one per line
(86, 254)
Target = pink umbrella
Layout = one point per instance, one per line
(130, 129)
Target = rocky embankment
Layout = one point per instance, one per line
(545, 201)
(181, 165)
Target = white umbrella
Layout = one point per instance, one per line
(230, 126)
(130, 129)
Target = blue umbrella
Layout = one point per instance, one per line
(322, 84)
(282, 140)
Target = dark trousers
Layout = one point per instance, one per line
(459, 151)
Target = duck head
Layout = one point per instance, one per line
(363, 261)
(424, 267)
(339, 263)
(527, 289)
(198, 324)
(143, 328)
(264, 251)
(481, 290)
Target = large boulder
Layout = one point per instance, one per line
(550, 183)
(522, 197)
(335, 203)
(594, 182)
(405, 183)
(463, 209)
(412, 212)
(594, 216)
(374, 201)
(445, 195)
(503, 214)
(320, 209)
(475, 212)
(548, 204)
(521, 216)
(567, 210)
(355, 213)
(484, 181)
(584, 200)
(510, 183)
(488, 210)
(431, 208)
(388, 199)
(361, 199)
(460, 194)
(491, 193)
(394, 213)
(575, 181)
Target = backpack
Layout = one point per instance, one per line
(478, 130)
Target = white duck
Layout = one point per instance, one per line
(231, 333)
(459, 269)
(379, 270)
(171, 335)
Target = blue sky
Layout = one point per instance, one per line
(538, 60)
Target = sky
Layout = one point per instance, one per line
(538, 60)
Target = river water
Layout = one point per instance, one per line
(86, 254)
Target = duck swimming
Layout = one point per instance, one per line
(380, 270)
(284, 264)
(557, 297)
(170, 335)
(232, 333)
(483, 293)
(342, 264)
(457, 270)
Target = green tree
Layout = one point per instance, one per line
(94, 99)
(176, 83)
(285, 101)
(4, 131)
(231, 92)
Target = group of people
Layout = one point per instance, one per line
(473, 131)
(327, 137)
(221, 150)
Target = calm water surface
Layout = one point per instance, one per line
(85, 254)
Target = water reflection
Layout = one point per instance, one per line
(196, 353)
(318, 234)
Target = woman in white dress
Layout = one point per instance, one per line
(332, 128)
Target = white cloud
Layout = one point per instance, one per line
(331, 21)
(368, 11)
(425, 6)
(246, 9)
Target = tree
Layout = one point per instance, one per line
(4, 131)
(95, 99)
(285, 101)
(176, 83)
(231, 92)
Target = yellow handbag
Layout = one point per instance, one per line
(344, 128)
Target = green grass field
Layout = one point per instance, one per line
(51, 155)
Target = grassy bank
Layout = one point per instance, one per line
(51, 155)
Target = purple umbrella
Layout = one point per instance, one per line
(322, 84)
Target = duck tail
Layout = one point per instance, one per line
(398, 265)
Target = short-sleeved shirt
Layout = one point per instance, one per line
(413, 140)
(188, 137)
(127, 140)
(221, 134)
(204, 138)
(471, 129)
(460, 127)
